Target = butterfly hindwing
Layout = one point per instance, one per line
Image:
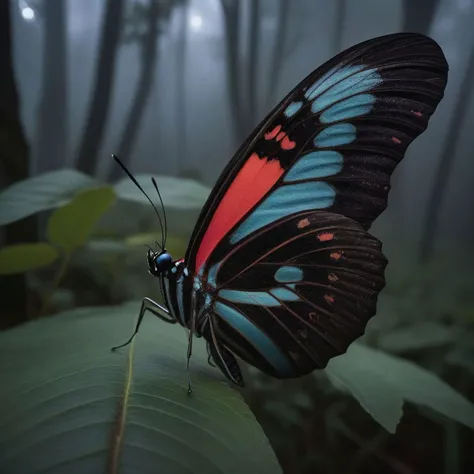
(225, 360)
(298, 294)
(331, 144)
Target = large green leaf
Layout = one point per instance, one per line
(69, 405)
(418, 336)
(177, 193)
(25, 257)
(70, 226)
(382, 382)
(40, 193)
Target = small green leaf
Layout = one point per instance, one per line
(40, 193)
(70, 226)
(177, 193)
(68, 404)
(381, 382)
(25, 257)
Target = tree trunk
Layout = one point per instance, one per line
(13, 167)
(148, 56)
(281, 37)
(103, 86)
(181, 124)
(340, 16)
(252, 111)
(231, 14)
(418, 15)
(445, 167)
(52, 137)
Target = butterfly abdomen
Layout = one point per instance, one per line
(178, 288)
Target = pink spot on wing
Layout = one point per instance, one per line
(329, 299)
(287, 144)
(418, 114)
(396, 140)
(336, 255)
(256, 177)
(303, 223)
(280, 136)
(304, 333)
(271, 135)
(325, 236)
(332, 277)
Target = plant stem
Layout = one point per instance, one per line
(55, 285)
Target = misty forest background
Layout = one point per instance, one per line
(173, 87)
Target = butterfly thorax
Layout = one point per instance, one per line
(183, 296)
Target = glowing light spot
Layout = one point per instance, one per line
(332, 277)
(195, 22)
(325, 236)
(303, 223)
(28, 13)
(418, 114)
(396, 140)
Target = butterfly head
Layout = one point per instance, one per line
(159, 262)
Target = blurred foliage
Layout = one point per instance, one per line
(24, 257)
(419, 349)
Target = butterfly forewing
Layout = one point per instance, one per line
(331, 144)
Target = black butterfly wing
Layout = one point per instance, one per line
(331, 144)
(297, 294)
(280, 255)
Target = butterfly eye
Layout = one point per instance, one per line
(163, 261)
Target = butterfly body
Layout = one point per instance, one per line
(281, 271)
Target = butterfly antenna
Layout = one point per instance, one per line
(164, 211)
(135, 182)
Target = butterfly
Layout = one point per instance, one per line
(280, 270)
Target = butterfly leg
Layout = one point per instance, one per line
(159, 311)
(209, 356)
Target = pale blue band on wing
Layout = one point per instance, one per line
(293, 108)
(288, 274)
(332, 77)
(284, 201)
(267, 348)
(262, 298)
(349, 108)
(336, 135)
(315, 165)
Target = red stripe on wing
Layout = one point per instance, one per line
(252, 182)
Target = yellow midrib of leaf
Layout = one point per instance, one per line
(119, 428)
